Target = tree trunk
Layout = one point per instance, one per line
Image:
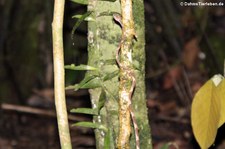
(104, 36)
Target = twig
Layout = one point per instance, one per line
(175, 82)
(187, 82)
(172, 119)
(32, 110)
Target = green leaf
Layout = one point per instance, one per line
(136, 65)
(70, 87)
(93, 83)
(111, 75)
(108, 0)
(107, 13)
(85, 111)
(83, 2)
(102, 100)
(205, 114)
(86, 19)
(86, 79)
(80, 67)
(108, 140)
(81, 19)
(91, 125)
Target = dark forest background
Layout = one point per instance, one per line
(185, 46)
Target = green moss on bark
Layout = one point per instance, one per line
(103, 39)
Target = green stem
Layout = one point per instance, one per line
(59, 74)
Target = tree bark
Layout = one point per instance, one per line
(104, 36)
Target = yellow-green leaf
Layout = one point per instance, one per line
(86, 19)
(80, 67)
(83, 2)
(205, 114)
(85, 111)
(91, 125)
(221, 90)
(81, 19)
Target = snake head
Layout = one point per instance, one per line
(118, 19)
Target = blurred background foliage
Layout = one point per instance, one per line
(184, 47)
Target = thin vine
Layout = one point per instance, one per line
(59, 80)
